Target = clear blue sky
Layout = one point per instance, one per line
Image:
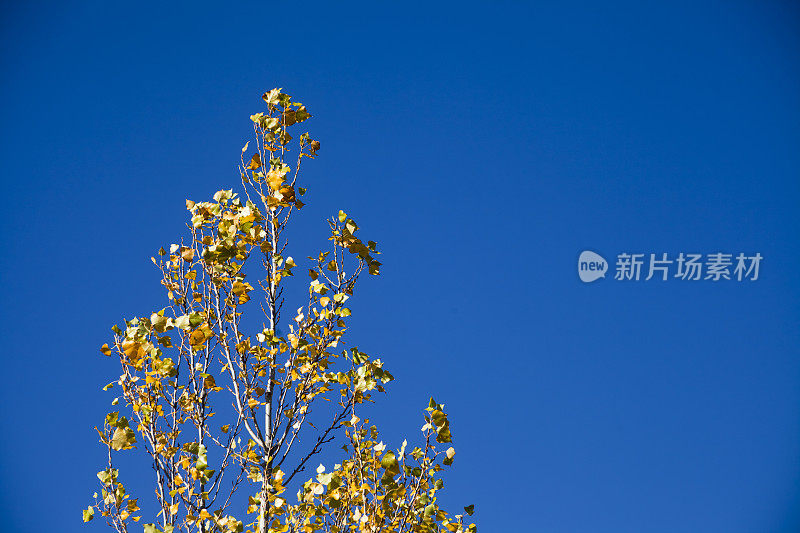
(484, 145)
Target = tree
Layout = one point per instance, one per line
(230, 410)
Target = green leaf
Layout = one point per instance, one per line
(389, 461)
(469, 509)
(88, 514)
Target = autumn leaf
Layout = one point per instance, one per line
(255, 161)
(123, 439)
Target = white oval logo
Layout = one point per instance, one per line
(591, 266)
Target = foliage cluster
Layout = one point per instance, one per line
(224, 410)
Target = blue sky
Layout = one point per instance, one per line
(484, 146)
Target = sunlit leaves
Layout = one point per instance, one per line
(276, 175)
(266, 369)
(107, 476)
(241, 290)
(390, 464)
(199, 336)
(187, 254)
(301, 114)
(449, 454)
(439, 421)
(159, 322)
(182, 322)
(123, 437)
(271, 97)
(134, 351)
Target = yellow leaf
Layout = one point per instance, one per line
(197, 338)
(275, 179)
(122, 439)
(287, 194)
(133, 350)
